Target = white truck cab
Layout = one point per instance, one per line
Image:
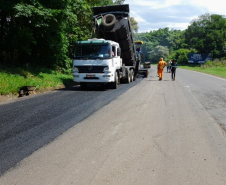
(96, 61)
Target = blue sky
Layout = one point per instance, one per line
(175, 14)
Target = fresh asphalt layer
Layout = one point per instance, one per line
(29, 123)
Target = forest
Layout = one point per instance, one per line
(40, 33)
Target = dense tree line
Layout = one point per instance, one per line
(207, 34)
(40, 32)
(168, 39)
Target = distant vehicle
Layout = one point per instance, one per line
(147, 64)
(110, 58)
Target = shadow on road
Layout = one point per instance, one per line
(76, 87)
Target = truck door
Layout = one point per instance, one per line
(115, 57)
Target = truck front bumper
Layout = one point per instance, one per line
(93, 78)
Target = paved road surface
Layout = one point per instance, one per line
(31, 122)
(157, 132)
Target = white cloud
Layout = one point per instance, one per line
(137, 17)
(140, 19)
(216, 6)
(178, 26)
(154, 4)
(175, 14)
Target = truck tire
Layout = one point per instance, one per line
(131, 75)
(128, 77)
(114, 85)
(83, 85)
(108, 21)
(146, 74)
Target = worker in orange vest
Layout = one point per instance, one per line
(161, 66)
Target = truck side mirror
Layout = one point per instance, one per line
(118, 51)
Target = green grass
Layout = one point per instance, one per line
(217, 71)
(12, 79)
(217, 68)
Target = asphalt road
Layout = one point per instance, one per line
(147, 132)
(210, 91)
(31, 122)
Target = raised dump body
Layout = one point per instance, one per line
(113, 23)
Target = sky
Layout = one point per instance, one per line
(174, 14)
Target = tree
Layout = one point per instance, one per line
(134, 24)
(173, 39)
(53, 25)
(207, 34)
(92, 3)
(158, 52)
(40, 32)
(181, 56)
(119, 2)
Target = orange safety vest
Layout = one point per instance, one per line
(161, 64)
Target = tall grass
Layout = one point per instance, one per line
(12, 79)
(216, 67)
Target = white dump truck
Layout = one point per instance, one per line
(111, 57)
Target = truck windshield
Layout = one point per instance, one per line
(92, 51)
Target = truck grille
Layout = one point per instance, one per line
(91, 69)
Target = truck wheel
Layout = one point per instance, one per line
(146, 74)
(114, 85)
(134, 77)
(108, 20)
(83, 85)
(131, 75)
(128, 77)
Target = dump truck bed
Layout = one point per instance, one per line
(108, 9)
(120, 32)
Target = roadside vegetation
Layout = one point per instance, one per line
(216, 68)
(12, 79)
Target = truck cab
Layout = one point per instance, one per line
(96, 61)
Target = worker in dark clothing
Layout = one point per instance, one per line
(173, 69)
(138, 53)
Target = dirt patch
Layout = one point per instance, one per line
(8, 97)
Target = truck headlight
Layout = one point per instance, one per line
(106, 70)
(75, 70)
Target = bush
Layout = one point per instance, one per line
(215, 63)
(181, 56)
